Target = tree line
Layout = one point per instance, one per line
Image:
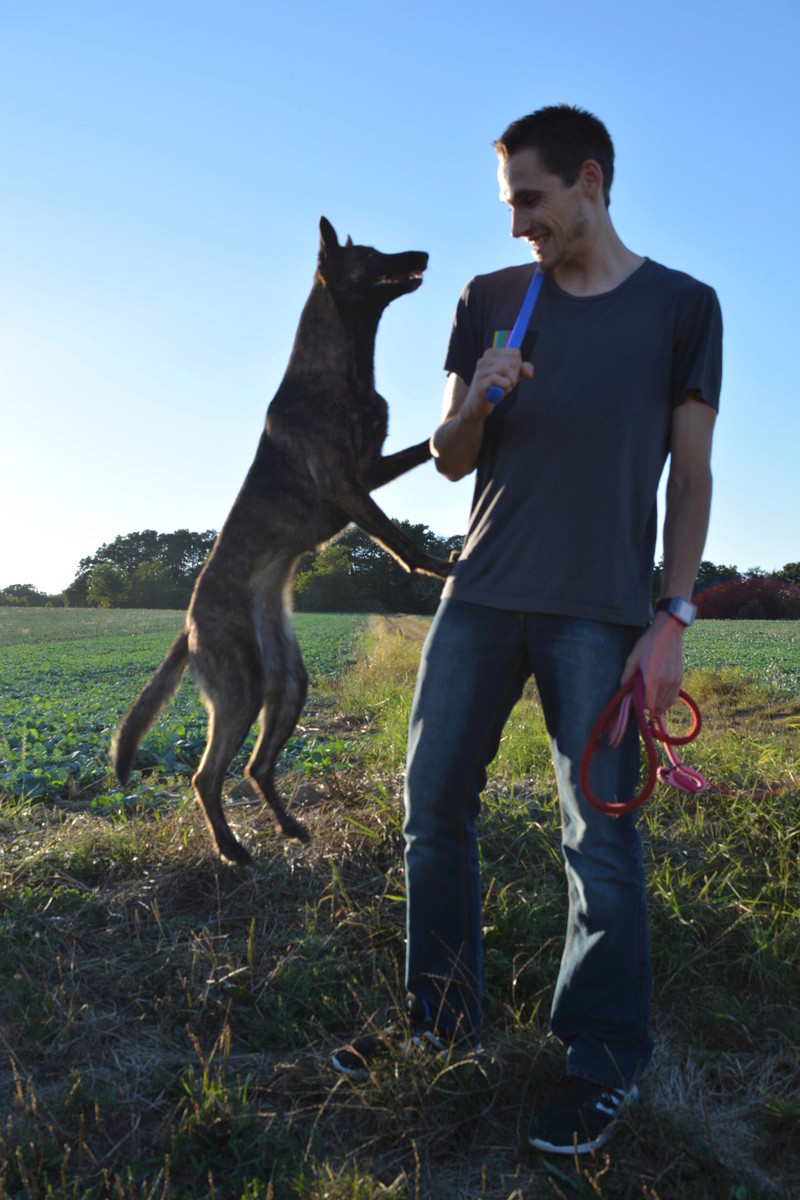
(726, 593)
(158, 570)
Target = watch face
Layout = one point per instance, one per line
(682, 610)
(679, 608)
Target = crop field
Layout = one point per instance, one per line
(69, 675)
(166, 1022)
(767, 651)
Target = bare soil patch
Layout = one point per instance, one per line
(414, 629)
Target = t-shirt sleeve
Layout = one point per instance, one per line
(464, 349)
(697, 349)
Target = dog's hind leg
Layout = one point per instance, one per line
(286, 681)
(231, 713)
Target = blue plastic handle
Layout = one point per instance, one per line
(515, 338)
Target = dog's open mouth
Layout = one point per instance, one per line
(406, 278)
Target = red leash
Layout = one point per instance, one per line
(610, 728)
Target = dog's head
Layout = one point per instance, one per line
(360, 274)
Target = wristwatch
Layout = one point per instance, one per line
(678, 607)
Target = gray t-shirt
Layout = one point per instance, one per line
(564, 514)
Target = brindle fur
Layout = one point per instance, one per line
(317, 461)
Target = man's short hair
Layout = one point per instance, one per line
(564, 137)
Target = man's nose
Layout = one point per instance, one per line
(520, 223)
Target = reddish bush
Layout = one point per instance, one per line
(759, 598)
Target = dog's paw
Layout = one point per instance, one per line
(293, 829)
(234, 854)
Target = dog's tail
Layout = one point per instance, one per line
(154, 696)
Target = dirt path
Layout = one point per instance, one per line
(415, 629)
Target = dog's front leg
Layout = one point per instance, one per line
(361, 508)
(393, 465)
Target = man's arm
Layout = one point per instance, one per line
(456, 442)
(659, 652)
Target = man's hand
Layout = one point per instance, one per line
(456, 442)
(498, 367)
(658, 655)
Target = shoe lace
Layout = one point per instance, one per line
(572, 1091)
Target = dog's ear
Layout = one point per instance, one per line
(349, 241)
(328, 241)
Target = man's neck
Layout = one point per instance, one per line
(600, 267)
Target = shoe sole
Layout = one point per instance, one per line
(581, 1148)
(351, 1072)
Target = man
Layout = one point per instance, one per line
(554, 580)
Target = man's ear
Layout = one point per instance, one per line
(591, 175)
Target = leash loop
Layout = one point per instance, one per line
(610, 729)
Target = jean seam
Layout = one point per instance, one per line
(642, 948)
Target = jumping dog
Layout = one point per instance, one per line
(318, 459)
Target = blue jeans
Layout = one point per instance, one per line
(474, 665)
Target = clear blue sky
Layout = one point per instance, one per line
(164, 168)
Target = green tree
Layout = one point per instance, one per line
(326, 586)
(76, 593)
(376, 582)
(790, 572)
(151, 586)
(709, 572)
(108, 587)
(160, 568)
(183, 553)
(23, 595)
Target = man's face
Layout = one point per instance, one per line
(550, 216)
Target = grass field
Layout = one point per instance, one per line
(165, 1022)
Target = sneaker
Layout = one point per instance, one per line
(414, 1035)
(579, 1116)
